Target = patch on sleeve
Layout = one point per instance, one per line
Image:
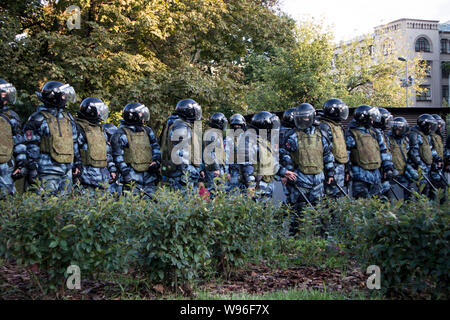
(29, 134)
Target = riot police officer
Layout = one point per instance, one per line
(381, 125)
(238, 126)
(307, 161)
(368, 154)
(182, 167)
(260, 166)
(12, 147)
(334, 112)
(136, 150)
(437, 136)
(399, 146)
(214, 152)
(423, 155)
(98, 167)
(51, 137)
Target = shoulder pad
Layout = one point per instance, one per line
(36, 117)
(413, 137)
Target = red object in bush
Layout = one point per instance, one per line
(204, 193)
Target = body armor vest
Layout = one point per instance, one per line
(138, 154)
(398, 154)
(264, 167)
(367, 152)
(309, 154)
(438, 144)
(95, 155)
(59, 144)
(6, 139)
(339, 146)
(425, 148)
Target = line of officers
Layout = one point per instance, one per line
(314, 154)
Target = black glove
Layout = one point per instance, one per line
(389, 173)
(436, 166)
(20, 174)
(154, 167)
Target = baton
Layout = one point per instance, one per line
(343, 192)
(393, 192)
(402, 185)
(305, 198)
(443, 178)
(429, 182)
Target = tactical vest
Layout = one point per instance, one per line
(425, 148)
(367, 152)
(138, 154)
(167, 165)
(438, 144)
(339, 146)
(264, 167)
(59, 144)
(309, 154)
(398, 154)
(95, 155)
(6, 140)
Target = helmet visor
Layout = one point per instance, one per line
(375, 115)
(8, 93)
(304, 120)
(67, 93)
(144, 113)
(399, 128)
(343, 112)
(102, 110)
(388, 122)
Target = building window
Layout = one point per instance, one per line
(428, 65)
(388, 47)
(426, 93)
(422, 45)
(445, 93)
(444, 46)
(445, 67)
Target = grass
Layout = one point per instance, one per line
(293, 294)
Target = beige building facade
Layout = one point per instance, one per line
(429, 39)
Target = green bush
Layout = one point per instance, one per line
(172, 240)
(56, 232)
(409, 241)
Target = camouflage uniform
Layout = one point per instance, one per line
(19, 151)
(114, 187)
(144, 181)
(234, 169)
(56, 177)
(219, 163)
(339, 168)
(367, 183)
(253, 152)
(312, 185)
(186, 173)
(95, 177)
(385, 184)
(398, 151)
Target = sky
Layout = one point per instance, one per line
(350, 18)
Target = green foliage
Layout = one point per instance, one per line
(54, 233)
(408, 241)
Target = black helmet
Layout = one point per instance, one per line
(93, 109)
(276, 122)
(55, 94)
(366, 115)
(218, 121)
(189, 110)
(7, 93)
(109, 129)
(440, 124)
(335, 109)
(427, 123)
(399, 127)
(263, 120)
(385, 119)
(305, 116)
(135, 114)
(238, 120)
(288, 118)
